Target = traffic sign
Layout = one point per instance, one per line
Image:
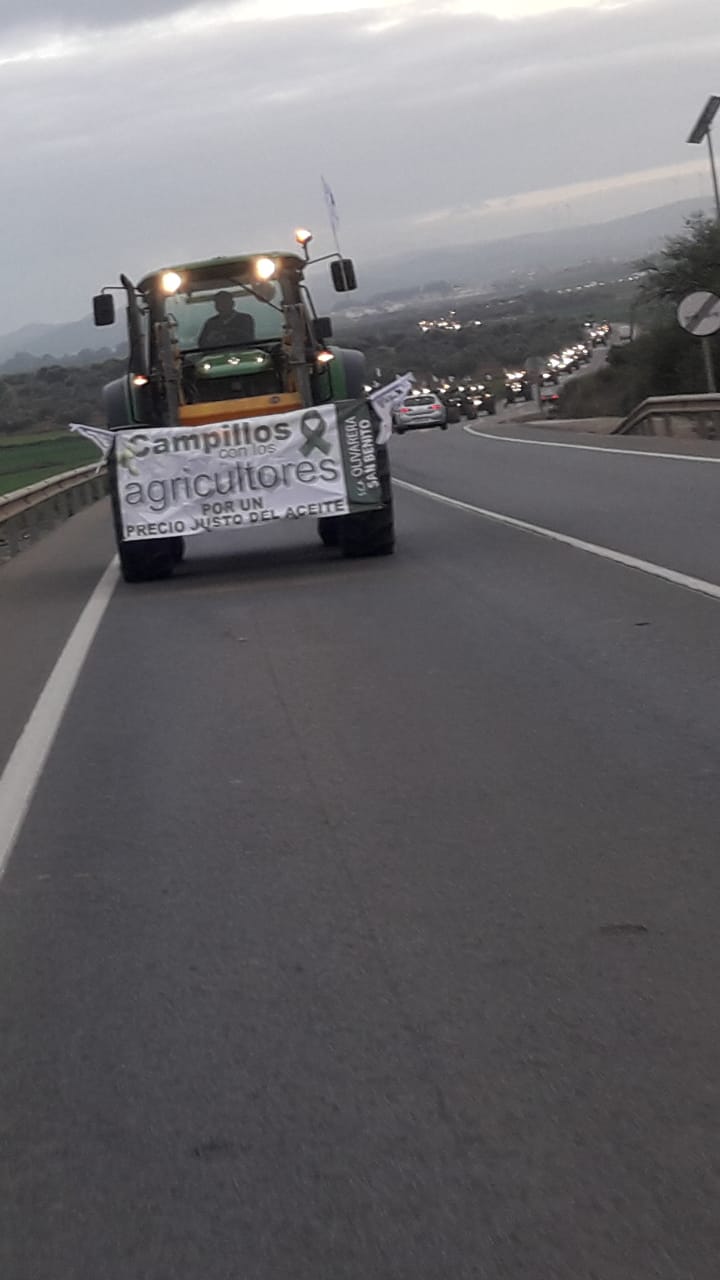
(699, 314)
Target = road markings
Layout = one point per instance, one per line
(698, 585)
(24, 768)
(588, 448)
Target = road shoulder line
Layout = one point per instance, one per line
(698, 585)
(588, 448)
(27, 760)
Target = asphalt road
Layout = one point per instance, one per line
(364, 922)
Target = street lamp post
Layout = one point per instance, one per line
(702, 131)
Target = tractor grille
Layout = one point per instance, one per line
(205, 390)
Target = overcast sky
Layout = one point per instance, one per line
(144, 132)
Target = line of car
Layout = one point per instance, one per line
(450, 401)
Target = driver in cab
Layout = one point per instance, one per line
(228, 326)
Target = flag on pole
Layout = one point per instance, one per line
(101, 438)
(332, 208)
(384, 400)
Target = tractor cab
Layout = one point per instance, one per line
(237, 331)
(226, 338)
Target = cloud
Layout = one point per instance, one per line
(87, 14)
(204, 130)
(552, 198)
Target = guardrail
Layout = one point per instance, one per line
(678, 416)
(29, 513)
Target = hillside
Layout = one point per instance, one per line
(485, 263)
(522, 261)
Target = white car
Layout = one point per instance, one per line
(420, 411)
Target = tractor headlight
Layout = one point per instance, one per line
(170, 281)
(265, 268)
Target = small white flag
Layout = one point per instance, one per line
(384, 401)
(100, 437)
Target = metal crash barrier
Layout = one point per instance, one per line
(681, 417)
(28, 514)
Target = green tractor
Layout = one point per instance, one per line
(231, 350)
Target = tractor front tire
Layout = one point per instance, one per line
(142, 561)
(329, 531)
(371, 533)
(148, 561)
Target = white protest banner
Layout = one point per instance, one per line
(384, 401)
(228, 475)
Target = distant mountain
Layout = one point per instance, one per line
(479, 265)
(58, 341)
(483, 263)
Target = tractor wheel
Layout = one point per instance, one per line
(329, 531)
(147, 561)
(142, 561)
(371, 533)
(355, 373)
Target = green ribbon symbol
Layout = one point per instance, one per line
(313, 428)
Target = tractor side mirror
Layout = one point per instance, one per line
(104, 309)
(323, 328)
(342, 271)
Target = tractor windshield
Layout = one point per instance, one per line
(210, 316)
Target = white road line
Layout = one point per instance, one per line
(588, 448)
(606, 553)
(24, 768)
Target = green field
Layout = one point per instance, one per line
(28, 459)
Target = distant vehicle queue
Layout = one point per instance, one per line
(449, 400)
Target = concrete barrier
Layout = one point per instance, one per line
(29, 513)
(679, 417)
